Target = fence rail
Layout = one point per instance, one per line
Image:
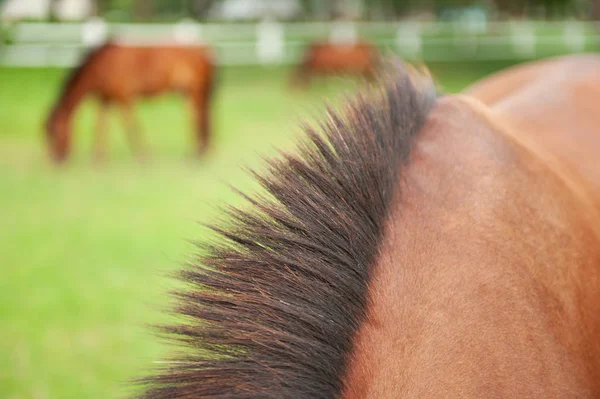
(62, 44)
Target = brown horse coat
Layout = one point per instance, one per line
(489, 280)
(551, 102)
(421, 248)
(120, 74)
(359, 58)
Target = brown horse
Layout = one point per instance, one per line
(421, 247)
(116, 73)
(359, 58)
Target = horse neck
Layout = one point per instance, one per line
(73, 94)
(485, 276)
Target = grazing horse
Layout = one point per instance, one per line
(418, 247)
(117, 73)
(359, 58)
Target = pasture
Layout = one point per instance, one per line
(85, 249)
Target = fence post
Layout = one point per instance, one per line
(523, 38)
(343, 32)
(269, 42)
(467, 30)
(408, 39)
(574, 36)
(93, 32)
(187, 31)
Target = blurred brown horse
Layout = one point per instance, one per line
(420, 247)
(359, 58)
(116, 73)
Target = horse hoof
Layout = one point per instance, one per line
(202, 151)
(143, 158)
(99, 159)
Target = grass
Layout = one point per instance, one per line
(84, 250)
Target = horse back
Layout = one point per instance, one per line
(554, 104)
(149, 70)
(486, 282)
(327, 56)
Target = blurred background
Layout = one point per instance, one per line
(85, 249)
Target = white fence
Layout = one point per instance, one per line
(52, 44)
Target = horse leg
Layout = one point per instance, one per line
(133, 131)
(302, 76)
(200, 103)
(99, 144)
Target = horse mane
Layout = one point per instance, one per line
(271, 310)
(91, 56)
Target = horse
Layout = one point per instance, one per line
(326, 58)
(511, 93)
(416, 245)
(118, 73)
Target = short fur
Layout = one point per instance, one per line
(76, 72)
(272, 309)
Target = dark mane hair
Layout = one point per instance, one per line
(76, 72)
(271, 311)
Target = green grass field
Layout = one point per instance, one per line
(84, 250)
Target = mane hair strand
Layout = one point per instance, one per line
(272, 309)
